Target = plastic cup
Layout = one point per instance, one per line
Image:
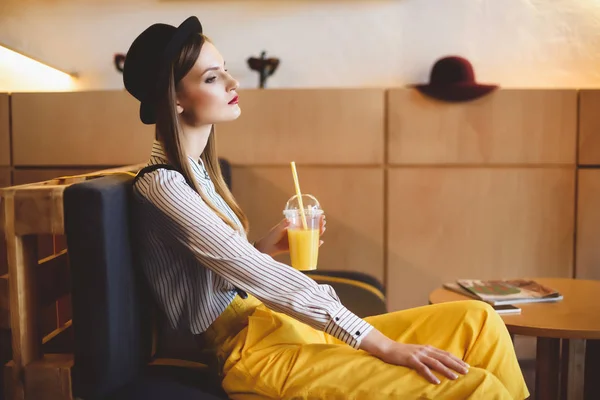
(304, 243)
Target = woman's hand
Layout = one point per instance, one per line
(276, 241)
(422, 359)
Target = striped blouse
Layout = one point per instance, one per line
(194, 261)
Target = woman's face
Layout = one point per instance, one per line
(207, 94)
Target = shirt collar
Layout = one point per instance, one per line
(159, 156)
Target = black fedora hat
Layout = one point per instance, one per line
(147, 60)
(452, 79)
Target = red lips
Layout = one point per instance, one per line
(234, 101)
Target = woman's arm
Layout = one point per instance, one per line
(197, 229)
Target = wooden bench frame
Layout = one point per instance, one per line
(26, 211)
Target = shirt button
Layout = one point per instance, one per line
(337, 318)
(357, 333)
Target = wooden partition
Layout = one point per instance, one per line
(506, 127)
(352, 198)
(483, 189)
(588, 198)
(5, 170)
(5, 180)
(589, 127)
(311, 127)
(78, 129)
(449, 223)
(588, 224)
(4, 130)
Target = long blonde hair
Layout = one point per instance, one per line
(170, 133)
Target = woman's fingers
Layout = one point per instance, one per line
(438, 366)
(430, 360)
(451, 360)
(424, 371)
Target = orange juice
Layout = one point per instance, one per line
(304, 248)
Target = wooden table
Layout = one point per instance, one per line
(568, 337)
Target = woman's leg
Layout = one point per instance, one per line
(278, 357)
(339, 372)
(471, 330)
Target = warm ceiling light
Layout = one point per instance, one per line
(21, 73)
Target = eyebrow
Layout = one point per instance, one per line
(212, 69)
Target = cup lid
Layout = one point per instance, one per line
(310, 203)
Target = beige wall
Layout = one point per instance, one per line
(350, 43)
(417, 192)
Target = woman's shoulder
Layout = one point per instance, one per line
(157, 179)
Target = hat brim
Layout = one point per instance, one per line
(147, 112)
(457, 92)
(187, 28)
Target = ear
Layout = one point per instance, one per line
(179, 108)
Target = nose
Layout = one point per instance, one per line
(233, 84)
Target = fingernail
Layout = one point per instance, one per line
(454, 376)
(437, 381)
(468, 366)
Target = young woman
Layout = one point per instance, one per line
(276, 332)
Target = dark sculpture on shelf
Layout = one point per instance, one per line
(119, 60)
(264, 66)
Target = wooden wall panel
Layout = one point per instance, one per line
(589, 127)
(352, 199)
(5, 177)
(4, 182)
(508, 126)
(79, 128)
(3, 257)
(450, 223)
(588, 225)
(324, 126)
(22, 176)
(4, 130)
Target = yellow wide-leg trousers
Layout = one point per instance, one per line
(268, 355)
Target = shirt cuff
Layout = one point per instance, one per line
(348, 327)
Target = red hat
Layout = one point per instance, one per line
(452, 79)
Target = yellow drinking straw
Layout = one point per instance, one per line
(297, 185)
